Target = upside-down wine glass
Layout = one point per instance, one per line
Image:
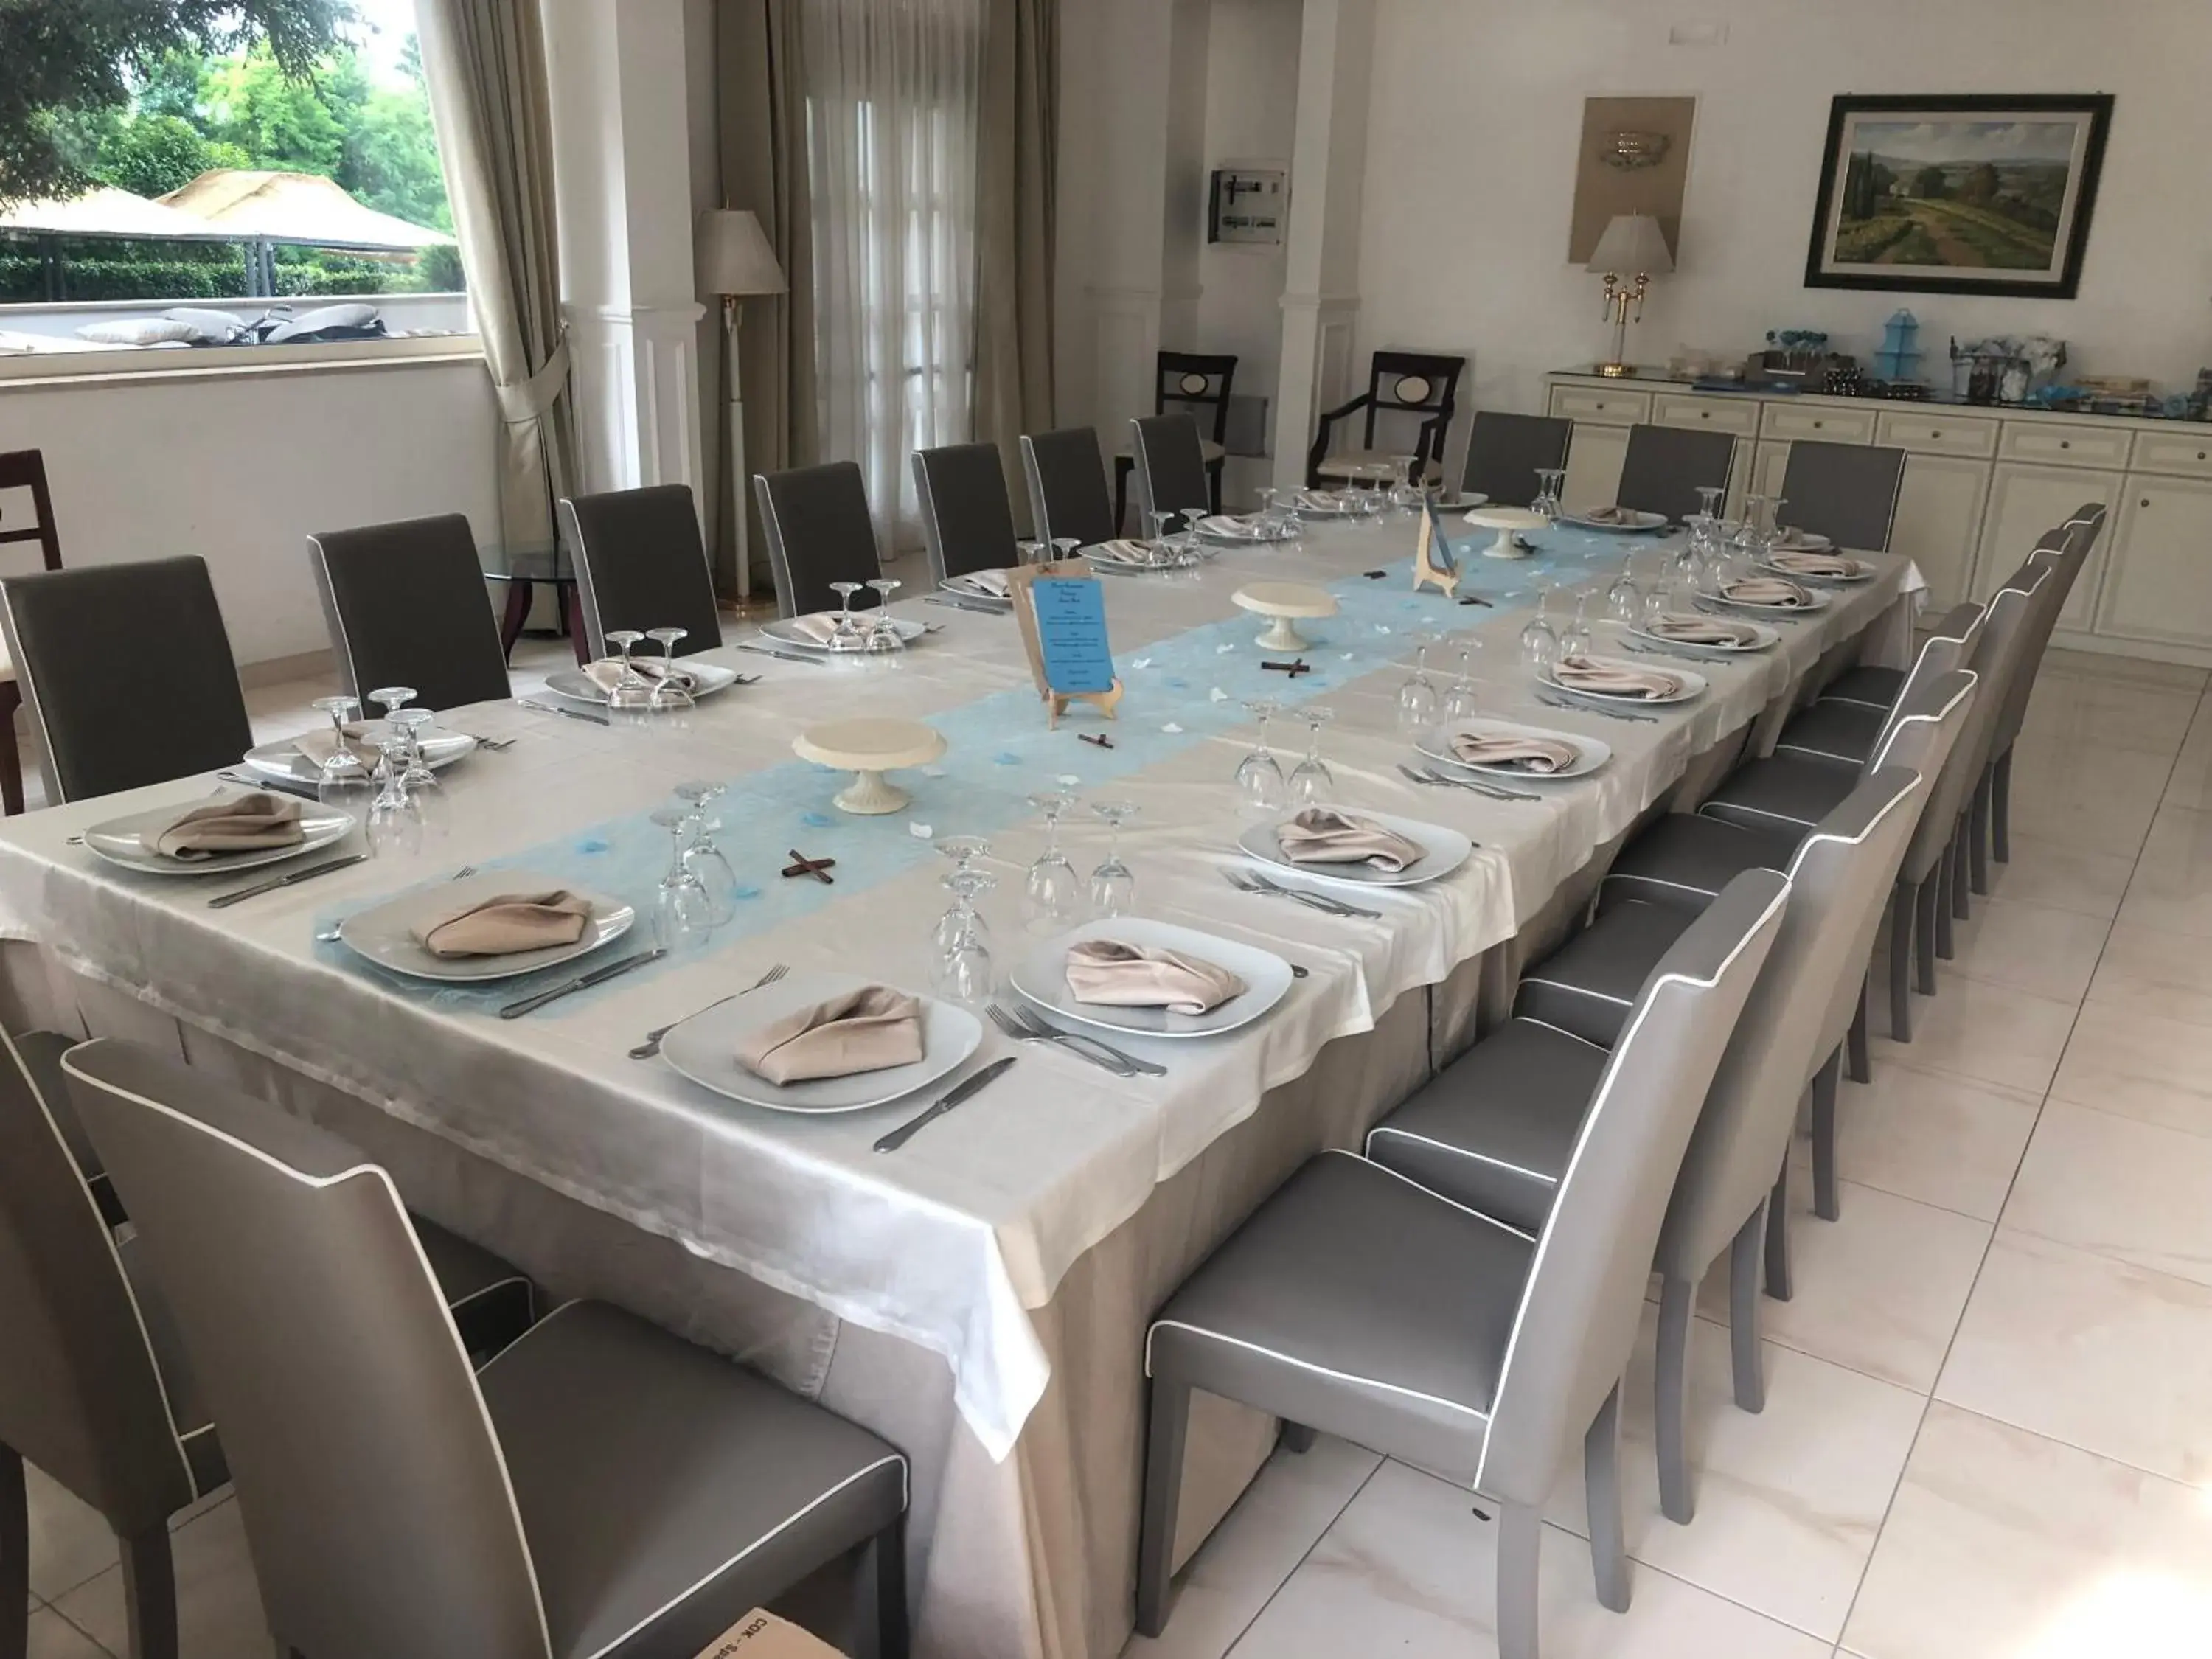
(1260, 783)
(1113, 884)
(432, 805)
(1050, 894)
(1313, 784)
(670, 701)
(632, 693)
(1064, 548)
(395, 819)
(1539, 644)
(1460, 701)
(847, 635)
(702, 856)
(960, 969)
(1624, 600)
(1575, 640)
(1417, 696)
(963, 851)
(344, 781)
(1550, 481)
(883, 637)
(683, 911)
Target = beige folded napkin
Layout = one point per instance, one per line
(1542, 755)
(1321, 835)
(1117, 975)
(320, 745)
(1228, 528)
(1767, 589)
(1324, 500)
(233, 823)
(868, 1029)
(506, 923)
(1704, 631)
(1802, 562)
(1615, 679)
(1121, 551)
(606, 672)
(993, 582)
(820, 626)
(1607, 515)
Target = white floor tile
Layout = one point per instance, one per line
(2099, 798)
(2038, 948)
(2070, 714)
(70, 1541)
(2003, 1544)
(2065, 878)
(1943, 1140)
(53, 1636)
(2172, 884)
(2152, 971)
(2140, 1065)
(2136, 1192)
(218, 1606)
(2097, 668)
(1988, 1033)
(1409, 1570)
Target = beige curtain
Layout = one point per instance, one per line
(763, 154)
(486, 63)
(1014, 230)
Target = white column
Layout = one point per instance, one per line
(622, 147)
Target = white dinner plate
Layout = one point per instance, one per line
(1693, 684)
(1820, 603)
(1442, 851)
(1226, 527)
(1324, 504)
(1042, 978)
(381, 933)
(707, 678)
(1635, 524)
(1121, 567)
(127, 841)
(1861, 571)
(281, 760)
(1763, 638)
(1802, 541)
(704, 1048)
(969, 588)
(1467, 504)
(1590, 753)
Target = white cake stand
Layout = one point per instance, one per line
(1508, 522)
(1286, 602)
(868, 749)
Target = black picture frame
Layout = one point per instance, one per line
(2070, 238)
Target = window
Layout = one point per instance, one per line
(230, 203)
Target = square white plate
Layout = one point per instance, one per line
(282, 759)
(786, 631)
(1442, 851)
(1042, 978)
(1591, 753)
(704, 1048)
(381, 933)
(707, 678)
(125, 841)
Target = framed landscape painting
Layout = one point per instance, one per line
(1958, 195)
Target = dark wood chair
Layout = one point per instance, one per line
(1196, 382)
(23, 469)
(1408, 382)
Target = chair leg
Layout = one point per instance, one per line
(1860, 1054)
(2001, 808)
(1902, 905)
(886, 1569)
(1977, 837)
(1520, 1544)
(1163, 1449)
(149, 1594)
(1946, 906)
(1678, 1298)
(1748, 1363)
(1779, 1285)
(14, 1556)
(1962, 886)
(1296, 1437)
(1929, 901)
(1827, 1202)
(1601, 1493)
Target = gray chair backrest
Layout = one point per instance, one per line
(966, 522)
(81, 1395)
(1846, 492)
(1949, 646)
(1505, 451)
(405, 604)
(1952, 785)
(1170, 464)
(2002, 654)
(1576, 1322)
(1839, 881)
(1665, 465)
(2064, 552)
(641, 564)
(376, 1501)
(127, 673)
(819, 532)
(1067, 487)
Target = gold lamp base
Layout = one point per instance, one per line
(1614, 371)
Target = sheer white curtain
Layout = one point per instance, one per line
(893, 96)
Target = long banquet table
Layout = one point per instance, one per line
(979, 1297)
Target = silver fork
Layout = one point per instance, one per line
(1430, 775)
(1038, 1026)
(1020, 1033)
(1574, 707)
(651, 1045)
(492, 744)
(1253, 882)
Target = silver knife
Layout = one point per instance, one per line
(783, 656)
(299, 786)
(899, 1137)
(270, 886)
(597, 976)
(979, 608)
(566, 713)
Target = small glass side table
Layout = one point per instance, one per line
(523, 569)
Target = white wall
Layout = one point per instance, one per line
(241, 469)
(1476, 106)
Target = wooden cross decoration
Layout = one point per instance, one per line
(1292, 669)
(1097, 739)
(818, 868)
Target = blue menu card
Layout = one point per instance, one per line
(1070, 617)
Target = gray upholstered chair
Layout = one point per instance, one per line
(405, 605)
(1666, 465)
(1199, 383)
(95, 1390)
(1170, 465)
(1357, 1302)
(641, 564)
(819, 532)
(1490, 1141)
(1846, 492)
(600, 1489)
(1504, 453)
(966, 522)
(127, 673)
(1067, 487)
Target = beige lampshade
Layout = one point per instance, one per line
(1632, 243)
(734, 255)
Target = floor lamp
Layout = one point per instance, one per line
(736, 262)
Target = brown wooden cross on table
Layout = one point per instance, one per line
(1292, 669)
(818, 868)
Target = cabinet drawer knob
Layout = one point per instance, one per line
(2201, 455)
(2066, 443)
(1817, 425)
(1936, 432)
(2144, 503)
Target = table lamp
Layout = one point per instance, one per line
(735, 260)
(1632, 250)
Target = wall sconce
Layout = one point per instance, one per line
(1630, 151)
